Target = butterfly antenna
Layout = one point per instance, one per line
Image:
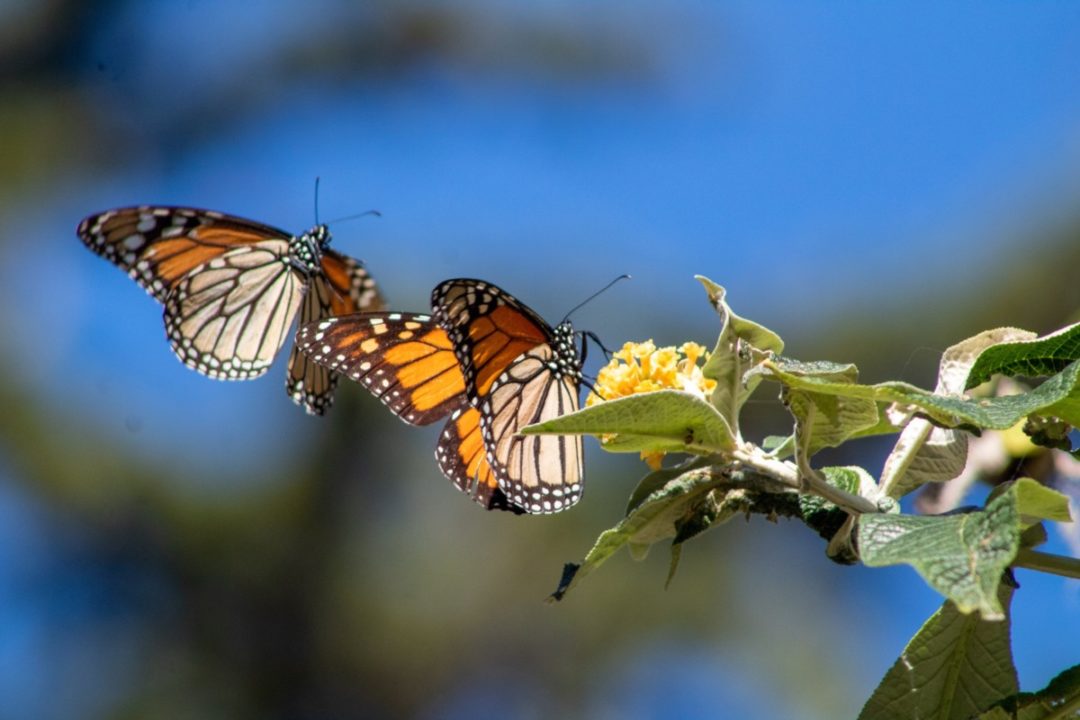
(316, 199)
(589, 299)
(335, 221)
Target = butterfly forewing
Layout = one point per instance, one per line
(488, 327)
(344, 287)
(159, 246)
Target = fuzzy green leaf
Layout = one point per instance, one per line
(1057, 397)
(742, 344)
(963, 555)
(825, 420)
(956, 666)
(924, 454)
(664, 420)
(1035, 501)
(655, 519)
(658, 479)
(757, 335)
(1030, 357)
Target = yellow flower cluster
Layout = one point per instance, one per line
(643, 367)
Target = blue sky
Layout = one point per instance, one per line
(811, 157)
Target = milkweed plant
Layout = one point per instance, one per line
(679, 408)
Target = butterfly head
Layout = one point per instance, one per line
(306, 250)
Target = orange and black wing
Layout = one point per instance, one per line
(160, 246)
(488, 327)
(462, 458)
(518, 371)
(407, 361)
(354, 287)
(343, 287)
(403, 359)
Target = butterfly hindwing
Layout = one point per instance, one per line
(310, 385)
(462, 457)
(159, 246)
(229, 318)
(541, 473)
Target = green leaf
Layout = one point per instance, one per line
(888, 423)
(962, 556)
(664, 420)
(1057, 397)
(825, 420)
(659, 478)
(742, 344)
(958, 361)
(956, 666)
(1035, 501)
(653, 520)
(757, 335)
(778, 445)
(1029, 357)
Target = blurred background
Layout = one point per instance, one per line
(874, 182)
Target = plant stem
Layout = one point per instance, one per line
(1046, 562)
(788, 474)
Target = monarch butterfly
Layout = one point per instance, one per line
(490, 363)
(231, 288)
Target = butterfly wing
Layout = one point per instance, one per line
(488, 327)
(343, 287)
(462, 458)
(310, 385)
(355, 290)
(518, 371)
(407, 361)
(541, 473)
(403, 359)
(160, 246)
(229, 317)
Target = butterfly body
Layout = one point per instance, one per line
(232, 287)
(306, 250)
